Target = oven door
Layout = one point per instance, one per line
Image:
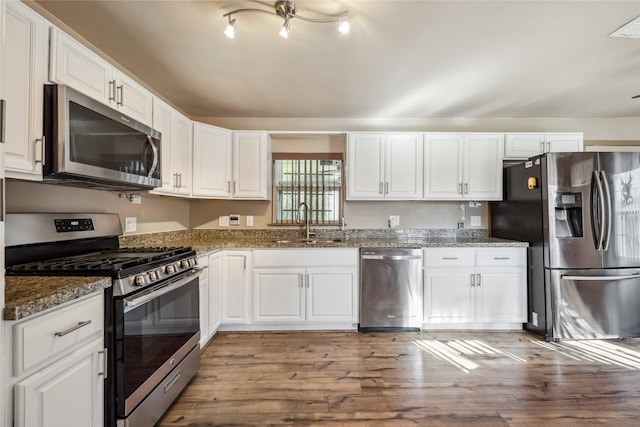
(154, 330)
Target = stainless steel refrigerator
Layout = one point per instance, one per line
(580, 213)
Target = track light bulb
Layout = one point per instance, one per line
(344, 27)
(230, 31)
(284, 31)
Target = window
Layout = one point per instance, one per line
(315, 179)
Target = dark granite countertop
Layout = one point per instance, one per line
(29, 295)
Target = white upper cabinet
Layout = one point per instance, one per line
(524, 145)
(251, 165)
(384, 166)
(466, 166)
(24, 73)
(211, 161)
(74, 65)
(176, 146)
(231, 164)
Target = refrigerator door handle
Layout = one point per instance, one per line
(599, 278)
(608, 211)
(598, 219)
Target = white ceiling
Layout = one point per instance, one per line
(402, 59)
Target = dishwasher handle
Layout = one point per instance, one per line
(392, 257)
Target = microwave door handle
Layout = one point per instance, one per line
(608, 212)
(154, 147)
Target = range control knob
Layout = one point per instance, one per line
(153, 275)
(141, 280)
(185, 263)
(171, 268)
(193, 261)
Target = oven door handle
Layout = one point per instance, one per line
(131, 303)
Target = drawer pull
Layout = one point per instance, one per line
(501, 257)
(73, 328)
(450, 257)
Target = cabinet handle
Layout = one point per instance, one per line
(175, 180)
(300, 280)
(244, 262)
(450, 257)
(380, 188)
(478, 281)
(307, 280)
(460, 188)
(42, 149)
(473, 280)
(121, 89)
(112, 90)
(501, 257)
(105, 364)
(73, 328)
(466, 188)
(179, 180)
(548, 146)
(3, 117)
(173, 380)
(386, 188)
(228, 186)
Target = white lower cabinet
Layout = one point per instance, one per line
(214, 317)
(203, 286)
(479, 286)
(305, 286)
(66, 393)
(56, 364)
(236, 286)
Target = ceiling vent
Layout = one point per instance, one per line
(630, 30)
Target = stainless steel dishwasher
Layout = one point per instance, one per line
(390, 290)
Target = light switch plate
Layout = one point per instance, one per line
(534, 318)
(223, 221)
(249, 220)
(476, 221)
(394, 221)
(130, 224)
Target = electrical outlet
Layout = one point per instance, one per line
(234, 219)
(473, 204)
(394, 221)
(249, 220)
(475, 221)
(460, 225)
(130, 224)
(223, 221)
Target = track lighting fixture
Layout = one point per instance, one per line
(286, 10)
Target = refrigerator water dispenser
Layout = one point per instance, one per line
(568, 208)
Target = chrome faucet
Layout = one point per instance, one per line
(307, 221)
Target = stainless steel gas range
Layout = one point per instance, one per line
(151, 313)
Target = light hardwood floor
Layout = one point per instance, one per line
(407, 379)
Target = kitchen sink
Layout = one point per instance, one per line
(308, 241)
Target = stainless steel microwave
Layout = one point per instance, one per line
(89, 144)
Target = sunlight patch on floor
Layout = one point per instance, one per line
(596, 351)
(459, 352)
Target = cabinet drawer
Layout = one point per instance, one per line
(46, 336)
(502, 257)
(449, 257)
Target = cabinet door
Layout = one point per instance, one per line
(501, 295)
(443, 166)
(365, 166)
(560, 142)
(66, 393)
(182, 145)
(74, 65)
(163, 122)
(448, 295)
(403, 166)
(211, 161)
(278, 295)
(215, 290)
(332, 294)
(204, 308)
(236, 287)
(251, 165)
(23, 76)
(523, 145)
(483, 166)
(133, 99)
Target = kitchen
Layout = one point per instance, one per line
(179, 214)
